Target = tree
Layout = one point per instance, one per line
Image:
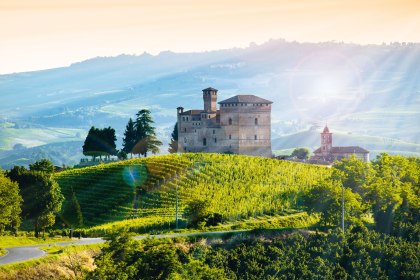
(10, 204)
(146, 140)
(100, 142)
(173, 146)
(76, 208)
(356, 175)
(325, 198)
(300, 153)
(108, 145)
(396, 184)
(122, 155)
(199, 214)
(124, 258)
(129, 140)
(43, 165)
(42, 198)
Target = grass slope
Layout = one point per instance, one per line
(235, 186)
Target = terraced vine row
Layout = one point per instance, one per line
(236, 186)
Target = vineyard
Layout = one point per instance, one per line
(234, 186)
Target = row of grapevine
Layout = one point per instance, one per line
(235, 186)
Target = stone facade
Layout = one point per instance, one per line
(327, 153)
(242, 125)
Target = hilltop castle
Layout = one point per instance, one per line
(242, 125)
(328, 154)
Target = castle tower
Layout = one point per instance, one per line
(326, 141)
(210, 99)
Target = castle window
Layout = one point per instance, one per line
(204, 142)
(183, 118)
(209, 116)
(185, 139)
(215, 140)
(185, 129)
(256, 121)
(214, 131)
(255, 137)
(195, 130)
(187, 118)
(230, 121)
(230, 137)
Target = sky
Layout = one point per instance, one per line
(45, 34)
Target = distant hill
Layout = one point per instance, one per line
(371, 90)
(61, 153)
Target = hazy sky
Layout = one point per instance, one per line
(41, 34)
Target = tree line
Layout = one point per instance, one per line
(358, 254)
(139, 139)
(29, 194)
(388, 189)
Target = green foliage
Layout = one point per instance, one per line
(43, 165)
(100, 142)
(10, 204)
(354, 174)
(146, 140)
(78, 212)
(122, 155)
(41, 195)
(236, 186)
(300, 153)
(395, 188)
(326, 198)
(197, 212)
(173, 145)
(388, 188)
(357, 254)
(129, 140)
(123, 258)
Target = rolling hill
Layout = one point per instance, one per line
(146, 189)
(370, 90)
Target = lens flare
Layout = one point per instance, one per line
(325, 85)
(134, 175)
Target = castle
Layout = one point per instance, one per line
(328, 154)
(242, 125)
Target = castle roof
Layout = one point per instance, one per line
(191, 112)
(326, 130)
(246, 99)
(197, 113)
(344, 150)
(210, 89)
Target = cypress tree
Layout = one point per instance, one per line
(145, 134)
(173, 146)
(129, 140)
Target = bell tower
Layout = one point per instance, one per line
(326, 141)
(210, 99)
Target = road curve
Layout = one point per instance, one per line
(24, 253)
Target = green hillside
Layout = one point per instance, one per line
(235, 186)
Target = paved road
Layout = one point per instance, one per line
(24, 253)
(18, 254)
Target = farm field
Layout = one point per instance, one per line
(143, 194)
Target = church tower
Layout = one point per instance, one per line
(326, 141)
(210, 99)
